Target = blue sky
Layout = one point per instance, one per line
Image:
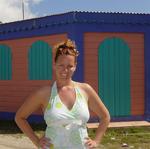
(47, 7)
(11, 10)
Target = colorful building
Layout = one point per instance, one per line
(114, 58)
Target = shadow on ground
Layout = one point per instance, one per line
(10, 127)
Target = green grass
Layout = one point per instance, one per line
(134, 137)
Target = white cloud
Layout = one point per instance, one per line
(11, 10)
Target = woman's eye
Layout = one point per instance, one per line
(65, 67)
(60, 66)
(70, 67)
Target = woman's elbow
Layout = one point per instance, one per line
(106, 118)
(18, 117)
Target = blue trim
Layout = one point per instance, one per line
(147, 75)
(36, 119)
(40, 119)
(128, 118)
(7, 115)
(91, 21)
(11, 116)
(76, 35)
(117, 119)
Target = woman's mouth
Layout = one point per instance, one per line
(64, 74)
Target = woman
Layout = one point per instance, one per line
(65, 106)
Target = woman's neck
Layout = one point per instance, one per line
(61, 83)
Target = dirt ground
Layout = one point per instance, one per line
(11, 141)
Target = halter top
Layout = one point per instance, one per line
(67, 128)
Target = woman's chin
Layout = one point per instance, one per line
(63, 77)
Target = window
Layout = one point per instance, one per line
(114, 75)
(40, 61)
(5, 63)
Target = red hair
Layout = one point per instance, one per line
(67, 47)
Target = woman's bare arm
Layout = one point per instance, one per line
(97, 106)
(31, 104)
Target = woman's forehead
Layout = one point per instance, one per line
(66, 58)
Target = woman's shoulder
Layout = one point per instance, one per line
(42, 93)
(44, 90)
(85, 87)
(82, 85)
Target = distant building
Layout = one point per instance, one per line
(114, 58)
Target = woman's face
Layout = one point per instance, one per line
(65, 67)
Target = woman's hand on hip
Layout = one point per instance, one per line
(90, 144)
(44, 142)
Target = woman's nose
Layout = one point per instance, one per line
(65, 69)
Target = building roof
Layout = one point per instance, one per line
(75, 17)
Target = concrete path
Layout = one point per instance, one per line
(11, 141)
(122, 124)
